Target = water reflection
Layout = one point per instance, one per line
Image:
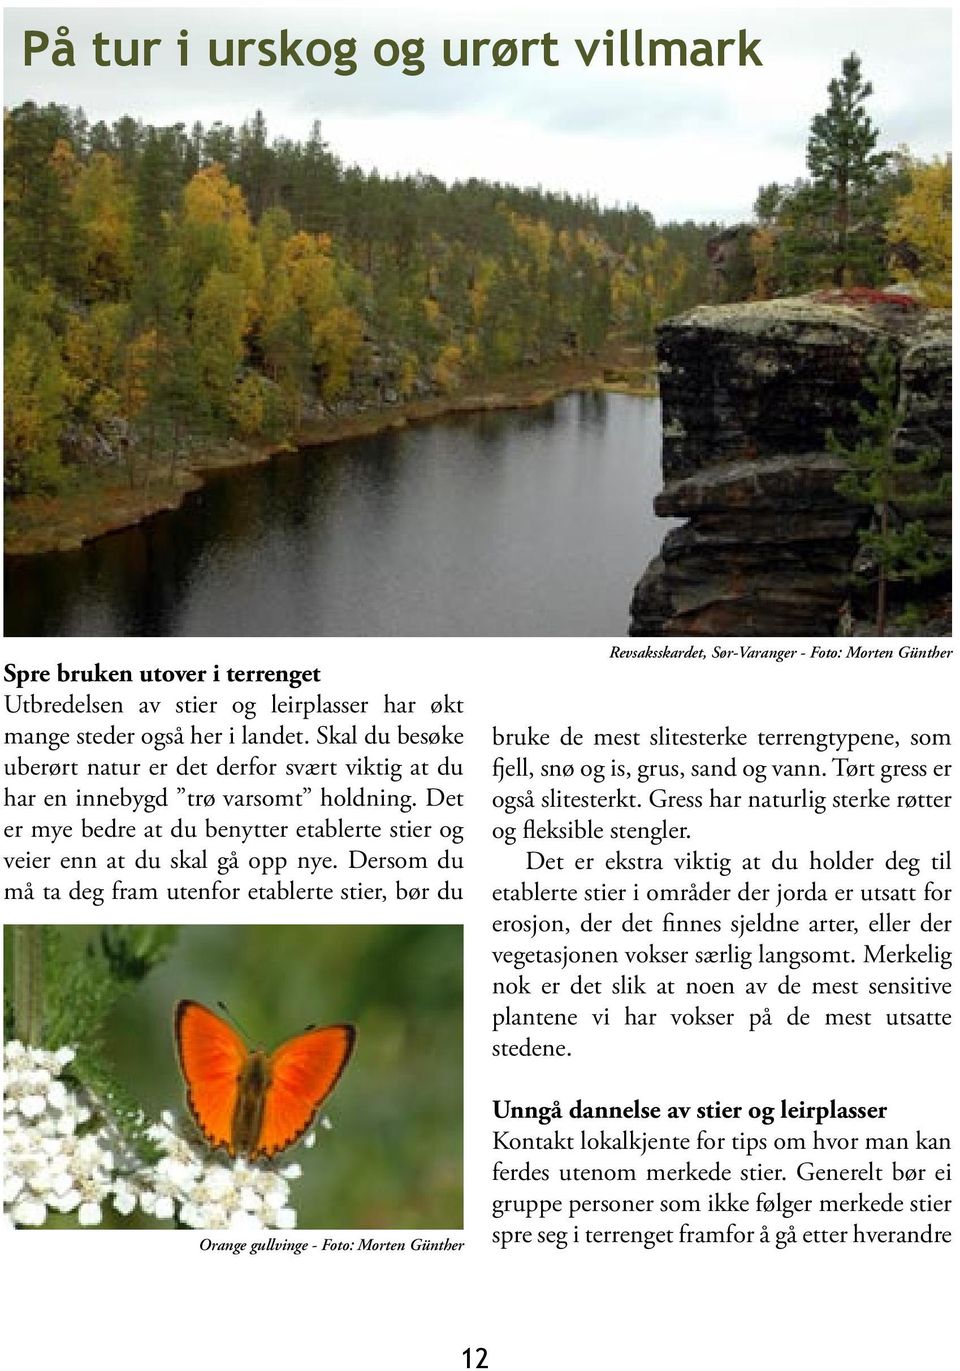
(523, 522)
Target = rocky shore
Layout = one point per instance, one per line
(110, 501)
(749, 392)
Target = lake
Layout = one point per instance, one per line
(531, 522)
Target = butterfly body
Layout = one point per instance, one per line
(250, 1102)
(252, 1086)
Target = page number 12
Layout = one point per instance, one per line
(475, 1358)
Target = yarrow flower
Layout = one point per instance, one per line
(64, 1155)
(203, 1192)
(58, 1157)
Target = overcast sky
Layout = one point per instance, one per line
(682, 143)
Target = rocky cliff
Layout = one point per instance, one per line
(748, 394)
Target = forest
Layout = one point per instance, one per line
(168, 288)
(165, 286)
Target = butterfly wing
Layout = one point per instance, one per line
(303, 1071)
(212, 1058)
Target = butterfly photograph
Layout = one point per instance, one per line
(234, 1076)
(249, 1102)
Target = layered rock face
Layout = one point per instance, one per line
(749, 392)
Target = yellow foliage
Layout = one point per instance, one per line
(248, 405)
(103, 206)
(924, 218)
(589, 242)
(105, 406)
(209, 198)
(305, 299)
(446, 369)
(63, 163)
(337, 340)
(307, 275)
(218, 232)
(92, 344)
(536, 236)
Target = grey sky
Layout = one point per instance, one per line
(680, 142)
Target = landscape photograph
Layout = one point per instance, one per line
(498, 323)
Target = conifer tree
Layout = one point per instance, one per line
(839, 231)
(895, 547)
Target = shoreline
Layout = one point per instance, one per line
(95, 508)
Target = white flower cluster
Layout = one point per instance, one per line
(56, 1157)
(202, 1193)
(63, 1155)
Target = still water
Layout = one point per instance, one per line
(525, 522)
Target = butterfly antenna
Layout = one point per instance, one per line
(230, 1015)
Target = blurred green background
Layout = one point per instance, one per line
(393, 1158)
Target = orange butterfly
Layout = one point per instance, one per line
(253, 1103)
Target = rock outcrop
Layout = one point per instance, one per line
(749, 392)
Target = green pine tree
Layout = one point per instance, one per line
(895, 547)
(837, 225)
